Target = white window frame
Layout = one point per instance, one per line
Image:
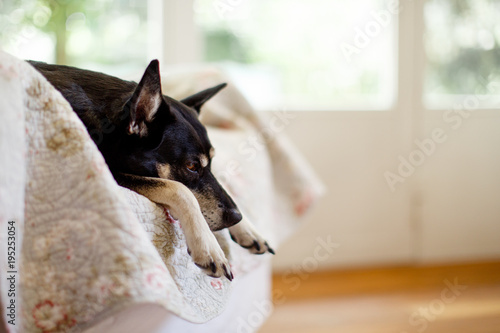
(185, 46)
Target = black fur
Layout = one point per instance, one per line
(137, 128)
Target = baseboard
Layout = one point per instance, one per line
(302, 285)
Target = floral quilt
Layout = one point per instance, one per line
(85, 247)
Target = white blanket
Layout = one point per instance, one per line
(87, 248)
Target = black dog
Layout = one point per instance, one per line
(156, 146)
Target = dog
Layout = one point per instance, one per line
(157, 147)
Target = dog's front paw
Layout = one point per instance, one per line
(245, 234)
(208, 255)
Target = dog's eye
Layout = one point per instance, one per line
(192, 166)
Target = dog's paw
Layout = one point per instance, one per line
(246, 236)
(208, 255)
(201, 243)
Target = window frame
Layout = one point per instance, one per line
(180, 16)
(410, 59)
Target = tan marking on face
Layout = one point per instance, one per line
(203, 161)
(212, 152)
(163, 170)
(210, 209)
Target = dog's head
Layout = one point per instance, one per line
(166, 139)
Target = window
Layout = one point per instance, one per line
(462, 44)
(305, 55)
(110, 36)
(293, 54)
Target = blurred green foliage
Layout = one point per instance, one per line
(82, 32)
(462, 40)
(299, 42)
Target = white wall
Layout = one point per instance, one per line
(460, 190)
(351, 152)
(448, 210)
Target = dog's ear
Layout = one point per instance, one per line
(146, 100)
(197, 100)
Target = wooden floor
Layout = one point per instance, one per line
(458, 299)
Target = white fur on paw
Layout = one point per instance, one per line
(208, 255)
(245, 235)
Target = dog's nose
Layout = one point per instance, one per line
(232, 216)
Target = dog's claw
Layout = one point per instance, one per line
(269, 249)
(208, 255)
(245, 234)
(228, 273)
